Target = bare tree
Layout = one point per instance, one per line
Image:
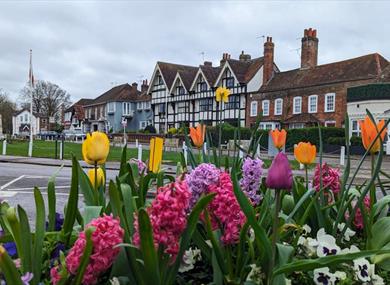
(47, 98)
(7, 108)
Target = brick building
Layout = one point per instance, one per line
(312, 93)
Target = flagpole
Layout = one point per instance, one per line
(30, 145)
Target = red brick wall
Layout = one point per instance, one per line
(287, 95)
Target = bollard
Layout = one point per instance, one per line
(139, 151)
(136, 142)
(258, 151)
(4, 147)
(205, 148)
(241, 153)
(61, 149)
(301, 166)
(342, 155)
(388, 147)
(185, 152)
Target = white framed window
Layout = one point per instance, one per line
(330, 102)
(278, 106)
(330, 123)
(253, 111)
(297, 105)
(265, 107)
(110, 107)
(312, 104)
(126, 108)
(143, 124)
(355, 128)
(139, 105)
(147, 105)
(296, 126)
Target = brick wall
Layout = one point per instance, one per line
(340, 89)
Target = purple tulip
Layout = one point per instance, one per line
(280, 174)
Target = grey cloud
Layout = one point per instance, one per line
(84, 46)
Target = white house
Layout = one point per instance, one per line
(183, 94)
(21, 123)
(373, 97)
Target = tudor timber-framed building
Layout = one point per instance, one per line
(183, 94)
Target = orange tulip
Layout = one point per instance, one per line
(279, 137)
(305, 153)
(370, 131)
(197, 135)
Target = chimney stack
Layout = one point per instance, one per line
(244, 57)
(134, 85)
(225, 57)
(144, 86)
(268, 65)
(309, 51)
(208, 63)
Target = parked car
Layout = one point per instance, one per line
(49, 135)
(74, 135)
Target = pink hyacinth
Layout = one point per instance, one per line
(55, 275)
(108, 233)
(359, 221)
(330, 178)
(168, 216)
(225, 210)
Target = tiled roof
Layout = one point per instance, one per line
(364, 67)
(81, 102)
(211, 73)
(124, 92)
(169, 71)
(245, 69)
(385, 75)
(187, 75)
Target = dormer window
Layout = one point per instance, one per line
(160, 80)
(180, 90)
(228, 79)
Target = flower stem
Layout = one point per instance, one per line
(372, 190)
(220, 132)
(275, 227)
(95, 182)
(307, 178)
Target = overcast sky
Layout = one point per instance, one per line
(85, 47)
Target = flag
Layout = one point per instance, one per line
(30, 73)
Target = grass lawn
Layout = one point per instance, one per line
(46, 149)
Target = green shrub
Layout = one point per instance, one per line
(336, 140)
(356, 141)
(295, 136)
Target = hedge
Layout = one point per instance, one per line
(294, 136)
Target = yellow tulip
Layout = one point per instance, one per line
(95, 148)
(197, 135)
(305, 153)
(155, 154)
(279, 138)
(370, 131)
(222, 94)
(100, 177)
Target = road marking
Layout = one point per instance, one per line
(40, 177)
(32, 188)
(7, 194)
(14, 193)
(11, 182)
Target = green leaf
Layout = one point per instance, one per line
(327, 261)
(129, 208)
(298, 205)
(51, 198)
(192, 221)
(380, 232)
(26, 240)
(85, 258)
(90, 213)
(261, 237)
(14, 229)
(40, 223)
(89, 194)
(8, 268)
(71, 208)
(123, 165)
(377, 208)
(151, 269)
(284, 255)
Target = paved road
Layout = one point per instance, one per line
(17, 182)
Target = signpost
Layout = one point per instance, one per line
(124, 124)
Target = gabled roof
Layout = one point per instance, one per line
(169, 70)
(385, 75)
(245, 69)
(187, 76)
(81, 102)
(364, 67)
(35, 114)
(301, 118)
(211, 73)
(124, 92)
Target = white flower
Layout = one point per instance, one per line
(251, 235)
(309, 245)
(306, 230)
(288, 281)
(377, 280)
(339, 276)
(326, 244)
(115, 281)
(348, 232)
(190, 257)
(255, 275)
(322, 276)
(362, 269)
